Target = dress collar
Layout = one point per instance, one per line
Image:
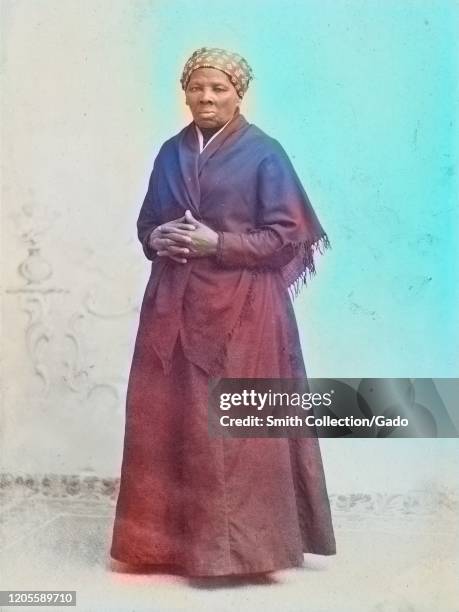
(201, 137)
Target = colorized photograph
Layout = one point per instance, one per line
(229, 265)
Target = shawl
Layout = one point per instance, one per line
(244, 186)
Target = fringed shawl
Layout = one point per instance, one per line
(244, 186)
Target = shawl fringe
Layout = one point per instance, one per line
(306, 268)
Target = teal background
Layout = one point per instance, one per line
(363, 96)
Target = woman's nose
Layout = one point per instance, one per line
(206, 96)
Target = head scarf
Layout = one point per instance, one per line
(232, 64)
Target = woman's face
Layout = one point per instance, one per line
(211, 97)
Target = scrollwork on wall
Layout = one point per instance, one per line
(38, 335)
(55, 341)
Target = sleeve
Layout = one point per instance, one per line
(260, 248)
(148, 218)
(268, 245)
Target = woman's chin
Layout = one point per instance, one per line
(208, 121)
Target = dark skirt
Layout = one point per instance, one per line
(218, 506)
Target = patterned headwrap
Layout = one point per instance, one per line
(232, 64)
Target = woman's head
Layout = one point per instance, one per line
(215, 81)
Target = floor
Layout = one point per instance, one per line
(386, 562)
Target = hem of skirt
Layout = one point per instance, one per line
(187, 572)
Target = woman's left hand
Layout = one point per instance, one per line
(203, 239)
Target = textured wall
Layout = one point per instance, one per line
(362, 94)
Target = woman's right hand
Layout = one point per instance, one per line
(171, 239)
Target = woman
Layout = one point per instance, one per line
(229, 231)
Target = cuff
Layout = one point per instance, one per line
(219, 252)
(150, 253)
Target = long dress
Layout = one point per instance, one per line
(215, 506)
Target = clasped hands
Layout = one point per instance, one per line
(183, 238)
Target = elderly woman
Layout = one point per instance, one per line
(230, 233)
